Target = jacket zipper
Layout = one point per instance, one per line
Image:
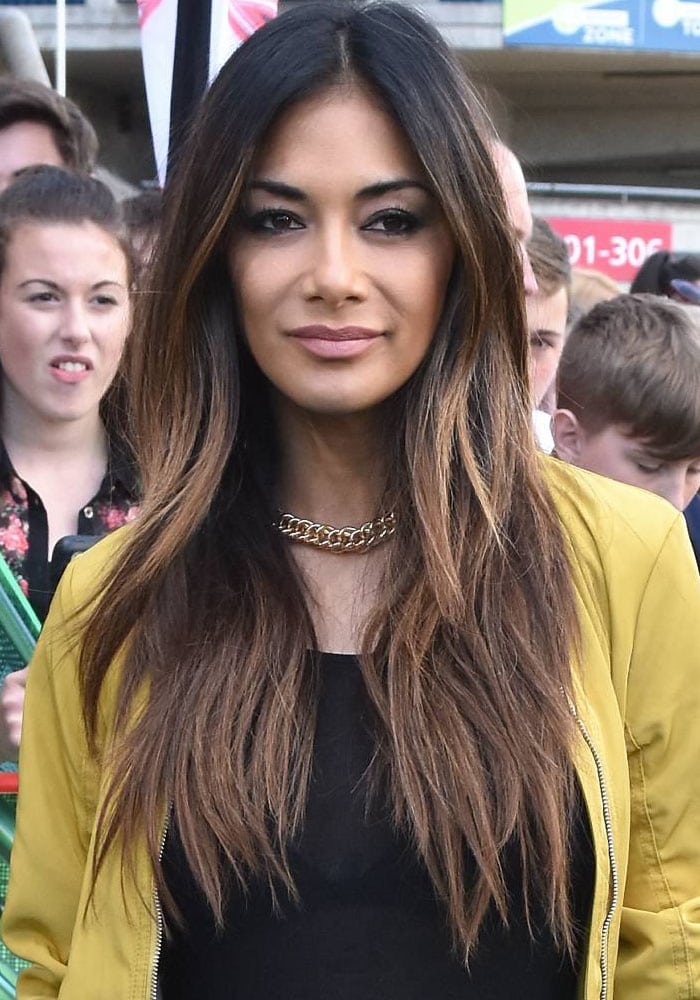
(159, 920)
(614, 873)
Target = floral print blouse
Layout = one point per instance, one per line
(24, 529)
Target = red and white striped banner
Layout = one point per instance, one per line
(176, 30)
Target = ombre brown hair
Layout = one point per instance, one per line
(466, 654)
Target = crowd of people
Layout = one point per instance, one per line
(388, 689)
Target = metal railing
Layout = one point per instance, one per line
(620, 192)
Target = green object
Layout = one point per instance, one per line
(19, 631)
(19, 624)
(10, 965)
(7, 826)
(8, 982)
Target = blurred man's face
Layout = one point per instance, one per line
(26, 144)
(546, 320)
(515, 191)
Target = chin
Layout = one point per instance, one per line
(67, 416)
(340, 407)
(339, 400)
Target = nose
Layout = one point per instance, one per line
(336, 274)
(75, 324)
(529, 279)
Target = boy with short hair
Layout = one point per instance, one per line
(547, 318)
(548, 307)
(628, 395)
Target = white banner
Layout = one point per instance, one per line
(231, 22)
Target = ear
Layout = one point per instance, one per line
(568, 436)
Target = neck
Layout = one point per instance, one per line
(332, 467)
(28, 436)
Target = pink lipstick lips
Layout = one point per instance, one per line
(335, 343)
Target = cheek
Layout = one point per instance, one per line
(549, 367)
(440, 263)
(18, 353)
(424, 287)
(542, 369)
(113, 343)
(254, 287)
(254, 300)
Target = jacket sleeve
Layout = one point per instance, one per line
(55, 809)
(659, 956)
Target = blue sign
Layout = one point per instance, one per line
(656, 25)
(672, 25)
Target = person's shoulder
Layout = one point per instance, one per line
(603, 515)
(88, 572)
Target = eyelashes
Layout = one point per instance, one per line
(395, 222)
(390, 221)
(271, 220)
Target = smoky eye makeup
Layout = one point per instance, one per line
(271, 220)
(394, 221)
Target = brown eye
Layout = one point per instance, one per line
(273, 221)
(393, 222)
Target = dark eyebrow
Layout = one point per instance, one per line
(283, 190)
(386, 187)
(278, 188)
(38, 281)
(57, 288)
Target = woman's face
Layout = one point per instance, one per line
(64, 317)
(341, 261)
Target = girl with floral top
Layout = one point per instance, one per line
(65, 274)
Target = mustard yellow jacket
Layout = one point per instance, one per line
(637, 703)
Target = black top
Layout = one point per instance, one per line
(368, 926)
(24, 527)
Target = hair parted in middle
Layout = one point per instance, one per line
(467, 654)
(634, 361)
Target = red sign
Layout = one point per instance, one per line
(617, 247)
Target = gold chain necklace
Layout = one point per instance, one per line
(348, 539)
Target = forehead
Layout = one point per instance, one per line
(624, 438)
(343, 134)
(71, 249)
(25, 144)
(514, 190)
(548, 312)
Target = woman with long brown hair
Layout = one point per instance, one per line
(268, 754)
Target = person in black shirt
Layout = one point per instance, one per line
(65, 275)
